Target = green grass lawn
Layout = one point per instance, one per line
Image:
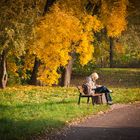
(28, 110)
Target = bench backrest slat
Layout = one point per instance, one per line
(80, 90)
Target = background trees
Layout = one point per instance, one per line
(42, 46)
(13, 19)
(17, 18)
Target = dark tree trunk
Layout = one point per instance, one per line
(111, 52)
(33, 79)
(61, 71)
(68, 71)
(49, 3)
(3, 70)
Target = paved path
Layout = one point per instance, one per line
(121, 123)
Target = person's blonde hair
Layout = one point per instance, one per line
(94, 76)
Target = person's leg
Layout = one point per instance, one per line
(101, 89)
(105, 89)
(108, 97)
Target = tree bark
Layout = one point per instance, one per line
(33, 79)
(61, 71)
(68, 71)
(111, 52)
(49, 3)
(3, 70)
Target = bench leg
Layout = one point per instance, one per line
(88, 100)
(79, 100)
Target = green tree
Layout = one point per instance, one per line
(17, 20)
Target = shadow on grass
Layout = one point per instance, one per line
(22, 129)
(99, 133)
(16, 129)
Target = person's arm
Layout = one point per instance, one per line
(97, 85)
(90, 87)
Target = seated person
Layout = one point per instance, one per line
(94, 88)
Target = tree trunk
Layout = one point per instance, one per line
(49, 3)
(61, 71)
(68, 71)
(3, 70)
(33, 80)
(111, 52)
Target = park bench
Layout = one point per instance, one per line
(96, 98)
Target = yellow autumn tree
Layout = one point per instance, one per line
(65, 29)
(113, 14)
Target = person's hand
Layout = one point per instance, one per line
(98, 85)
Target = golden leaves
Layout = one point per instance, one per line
(119, 48)
(92, 23)
(69, 28)
(114, 17)
(60, 33)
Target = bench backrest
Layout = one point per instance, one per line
(81, 90)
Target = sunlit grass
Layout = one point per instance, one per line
(126, 95)
(30, 110)
(26, 110)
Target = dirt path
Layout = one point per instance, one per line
(121, 123)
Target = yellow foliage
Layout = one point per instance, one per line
(92, 23)
(63, 30)
(114, 16)
(12, 68)
(85, 49)
(119, 48)
(66, 28)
